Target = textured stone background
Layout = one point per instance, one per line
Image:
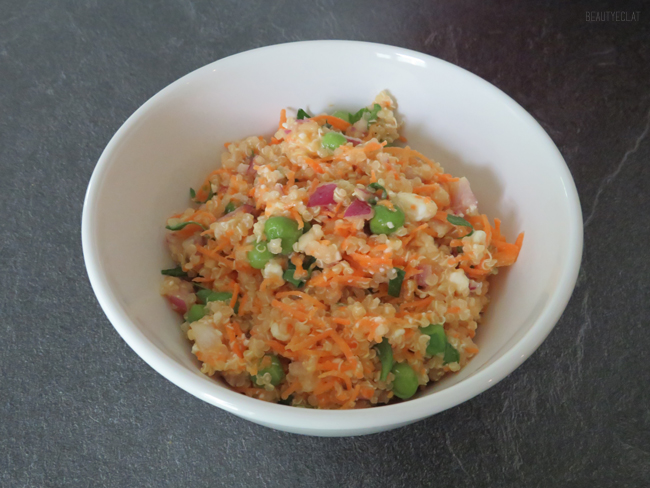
(79, 408)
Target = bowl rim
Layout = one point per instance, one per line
(347, 422)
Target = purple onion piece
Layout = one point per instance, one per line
(324, 195)
(359, 208)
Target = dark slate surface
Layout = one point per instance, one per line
(79, 408)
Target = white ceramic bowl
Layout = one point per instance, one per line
(469, 126)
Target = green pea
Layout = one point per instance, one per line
(306, 227)
(386, 221)
(437, 338)
(332, 140)
(274, 369)
(230, 207)
(259, 256)
(206, 296)
(196, 312)
(405, 383)
(283, 228)
(386, 357)
(341, 114)
(451, 354)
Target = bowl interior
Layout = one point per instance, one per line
(464, 123)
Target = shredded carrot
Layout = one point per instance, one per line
(373, 146)
(354, 394)
(264, 284)
(402, 139)
(293, 386)
(342, 344)
(335, 122)
(324, 386)
(244, 299)
(314, 165)
(453, 310)
(338, 374)
(445, 178)
(283, 118)
(275, 141)
(316, 303)
(369, 261)
(207, 252)
(296, 216)
(313, 186)
(367, 392)
(341, 321)
(471, 350)
(202, 279)
(474, 272)
(426, 188)
(440, 215)
(235, 294)
(290, 310)
(227, 144)
(311, 341)
(234, 345)
(423, 302)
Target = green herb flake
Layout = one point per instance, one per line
(303, 115)
(453, 219)
(307, 264)
(182, 225)
(395, 285)
(177, 271)
(385, 353)
(377, 186)
(371, 118)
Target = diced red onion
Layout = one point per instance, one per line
(287, 131)
(324, 195)
(421, 278)
(359, 208)
(475, 285)
(177, 303)
(462, 197)
(251, 166)
(353, 140)
(354, 131)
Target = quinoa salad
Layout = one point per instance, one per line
(332, 266)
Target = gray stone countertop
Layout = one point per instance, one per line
(79, 408)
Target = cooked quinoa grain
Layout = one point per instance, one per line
(323, 243)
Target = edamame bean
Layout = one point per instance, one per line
(437, 338)
(405, 383)
(197, 312)
(341, 114)
(272, 366)
(206, 296)
(283, 228)
(386, 221)
(451, 354)
(332, 140)
(259, 256)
